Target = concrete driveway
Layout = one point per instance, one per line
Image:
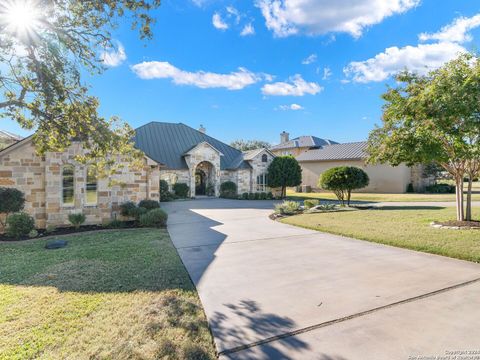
(274, 291)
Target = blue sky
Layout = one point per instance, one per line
(312, 67)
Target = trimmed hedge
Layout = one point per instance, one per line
(154, 218)
(149, 204)
(181, 190)
(441, 189)
(228, 190)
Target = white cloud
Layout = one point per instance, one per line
(232, 12)
(288, 17)
(115, 57)
(294, 107)
(421, 59)
(247, 30)
(295, 87)
(457, 31)
(326, 73)
(310, 59)
(163, 70)
(218, 22)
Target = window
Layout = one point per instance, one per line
(262, 183)
(91, 190)
(68, 192)
(264, 158)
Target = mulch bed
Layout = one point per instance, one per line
(454, 224)
(66, 231)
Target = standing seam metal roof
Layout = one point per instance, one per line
(304, 141)
(347, 151)
(167, 144)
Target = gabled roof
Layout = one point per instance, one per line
(251, 154)
(206, 143)
(167, 143)
(4, 134)
(304, 141)
(347, 151)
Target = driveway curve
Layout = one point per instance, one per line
(274, 291)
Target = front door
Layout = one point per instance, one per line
(200, 185)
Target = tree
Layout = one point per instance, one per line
(434, 118)
(45, 45)
(342, 180)
(245, 145)
(11, 201)
(284, 171)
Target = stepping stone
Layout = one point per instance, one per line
(56, 244)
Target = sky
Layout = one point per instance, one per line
(250, 69)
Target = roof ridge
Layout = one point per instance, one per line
(351, 142)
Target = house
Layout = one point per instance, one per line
(7, 138)
(298, 145)
(383, 178)
(55, 185)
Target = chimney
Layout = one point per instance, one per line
(284, 137)
(202, 129)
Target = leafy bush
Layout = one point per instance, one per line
(149, 204)
(116, 224)
(33, 234)
(154, 218)
(269, 196)
(76, 219)
(181, 190)
(228, 190)
(127, 208)
(165, 194)
(11, 201)
(245, 196)
(262, 196)
(19, 225)
(251, 196)
(441, 189)
(342, 180)
(284, 171)
(410, 188)
(287, 208)
(310, 203)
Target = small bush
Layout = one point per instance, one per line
(342, 180)
(154, 218)
(441, 189)
(245, 196)
(262, 196)
(11, 200)
(228, 190)
(33, 234)
(138, 211)
(165, 194)
(149, 204)
(76, 219)
(310, 203)
(19, 225)
(116, 224)
(269, 196)
(181, 190)
(410, 189)
(287, 208)
(251, 196)
(127, 209)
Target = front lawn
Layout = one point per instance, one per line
(403, 227)
(108, 295)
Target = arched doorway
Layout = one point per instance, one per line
(205, 179)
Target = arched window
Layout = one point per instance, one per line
(91, 188)
(68, 185)
(264, 158)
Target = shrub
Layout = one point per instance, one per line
(116, 224)
(410, 188)
(251, 196)
(154, 218)
(33, 234)
(262, 196)
(127, 209)
(11, 201)
(310, 203)
(149, 204)
(245, 196)
(19, 225)
(165, 194)
(284, 171)
(76, 219)
(228, 190)
(441, 189)
(287, 208)
(342, 180)
(269, 196)
(181, 190)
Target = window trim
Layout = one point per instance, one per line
(72, 204)
(264, 158)
(86, 188)
(262, 186)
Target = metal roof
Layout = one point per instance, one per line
(347, 151)
(167, 144)
(4, 134)
(303, 141)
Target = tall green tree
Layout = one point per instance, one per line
(245, 145)
(434, 118)
(284, 171)
(45, 45)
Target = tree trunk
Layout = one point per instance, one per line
(349, 194)
(459, 197)
(468, 215)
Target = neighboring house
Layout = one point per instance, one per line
(383, 178)
(7, 139)
(192, 157)
(55, 185)
(298, 145)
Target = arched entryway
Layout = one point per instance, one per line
(205, 179)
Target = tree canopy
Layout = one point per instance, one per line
(284, 171)
(45, 45)
(245, 145)
(342, 180)
(434, 118)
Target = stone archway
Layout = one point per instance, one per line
(205, 179)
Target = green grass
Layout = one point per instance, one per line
(402, 227)
(108, 295)
(374, 197)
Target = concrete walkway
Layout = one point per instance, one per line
(274, 291)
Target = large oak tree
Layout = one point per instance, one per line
(45, 45)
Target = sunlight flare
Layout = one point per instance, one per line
(21, 18)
